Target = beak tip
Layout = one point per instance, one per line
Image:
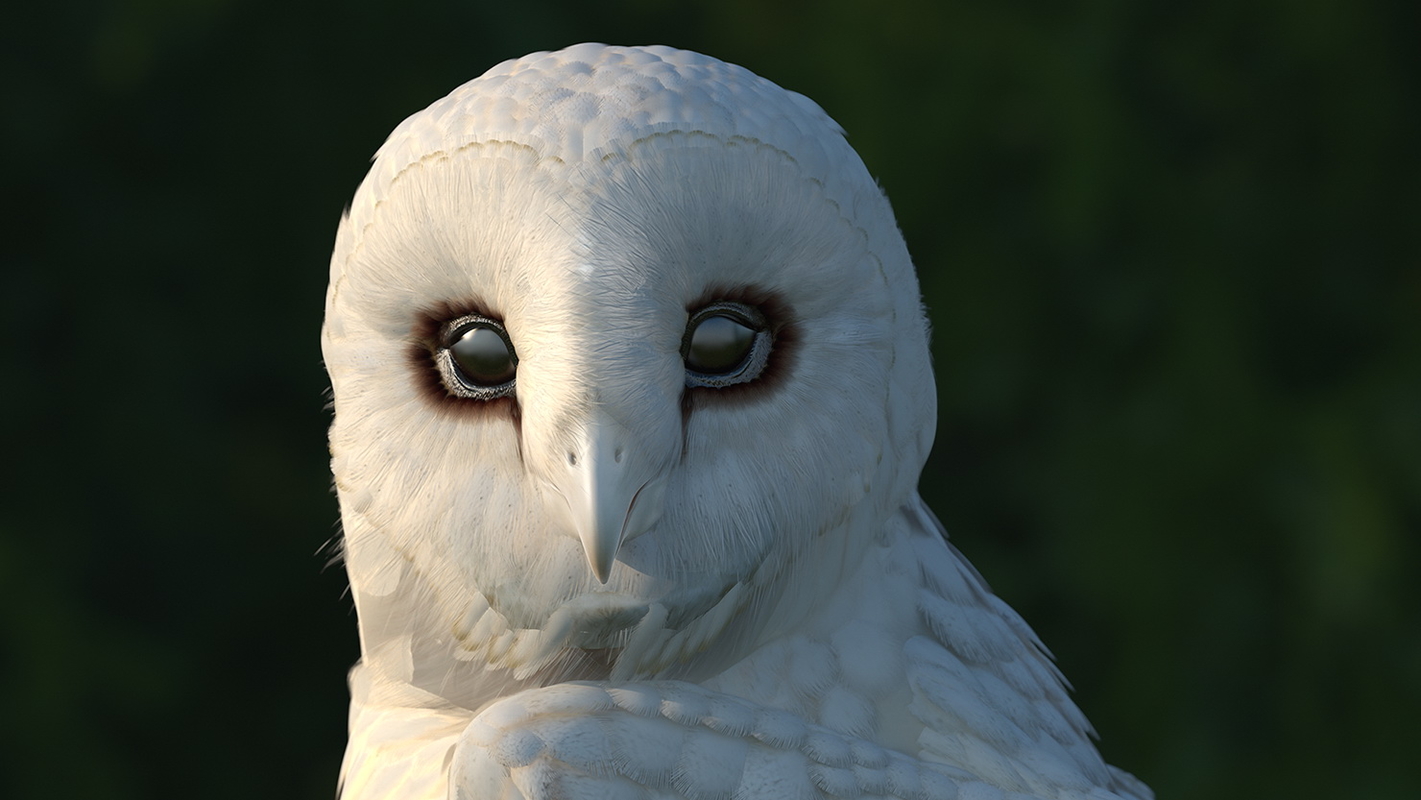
(600, 571)
(600, 559)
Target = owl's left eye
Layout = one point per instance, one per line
(477, 359)
(725, 343)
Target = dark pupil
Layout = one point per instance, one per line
(718, 344)
(483, 357)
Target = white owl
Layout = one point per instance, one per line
(632, 393)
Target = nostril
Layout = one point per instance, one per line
(617, 455)
(571, 458)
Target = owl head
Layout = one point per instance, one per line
(625, 344)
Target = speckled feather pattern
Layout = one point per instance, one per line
(589, 102)
(793, 622)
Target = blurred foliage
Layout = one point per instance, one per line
(1170, 250)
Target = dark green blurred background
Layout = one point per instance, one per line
(1170, 250)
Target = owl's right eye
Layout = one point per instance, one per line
(477, 359)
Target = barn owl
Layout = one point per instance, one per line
(632, 392)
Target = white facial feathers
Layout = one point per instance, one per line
(587, 199)
(632, 392)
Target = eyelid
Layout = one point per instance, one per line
(456, 328)
(755, 360)
(449, 334)
(749, 316)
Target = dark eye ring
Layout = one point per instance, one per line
(725, 343)
(476, 358)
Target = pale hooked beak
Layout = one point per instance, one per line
(610, 493)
